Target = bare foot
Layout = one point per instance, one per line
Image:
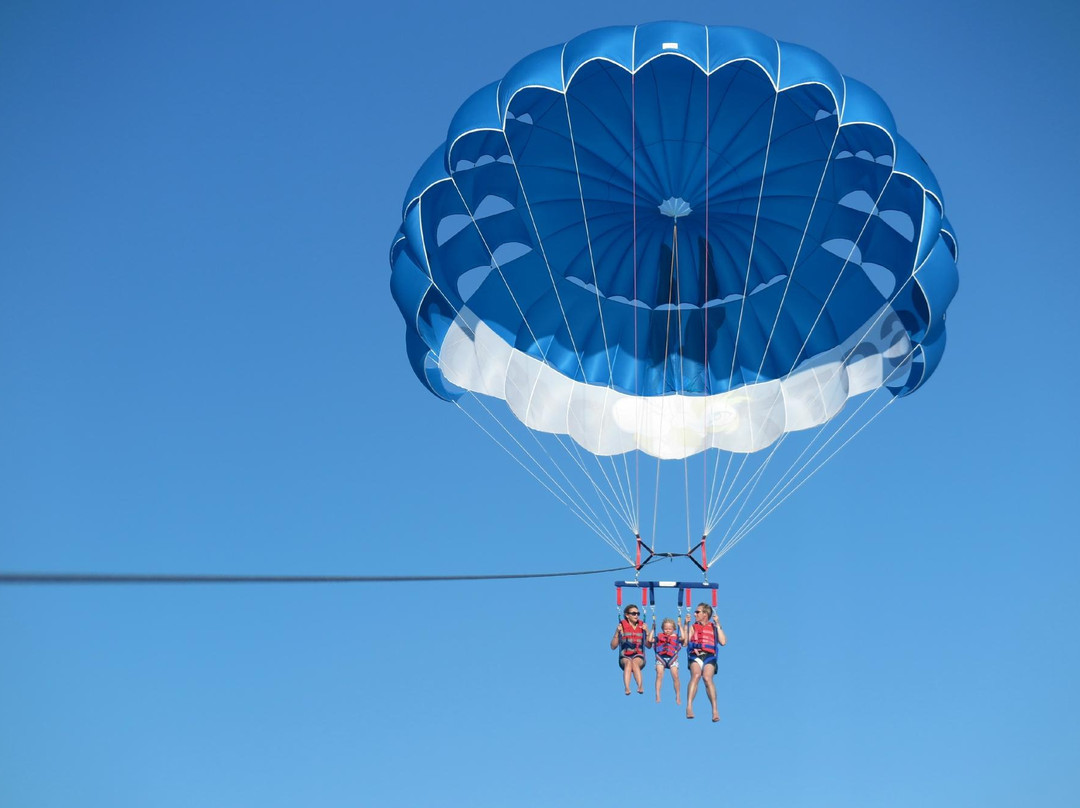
(689, 714)
(715, 718)
(678, 701)
(657, 699)
(628, 692)
(641, 691)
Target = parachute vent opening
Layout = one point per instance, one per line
(675, 207)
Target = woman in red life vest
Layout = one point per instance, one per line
(631, 639)
(704, 636)
(667, 644)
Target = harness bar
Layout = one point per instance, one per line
(668, 584)
(649, 590)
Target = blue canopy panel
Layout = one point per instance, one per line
(681, 212)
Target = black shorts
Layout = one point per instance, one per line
(702, 659)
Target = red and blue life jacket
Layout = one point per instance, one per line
(703, 639)
(633, 638)
(667, 645)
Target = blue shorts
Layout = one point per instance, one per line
(639, 655)
(667, 661)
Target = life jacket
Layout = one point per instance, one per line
(703, 638)
(633, 639)
(667, 645)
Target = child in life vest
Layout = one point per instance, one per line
(631, 639)
(666, 644)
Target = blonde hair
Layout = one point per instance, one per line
(667, 621)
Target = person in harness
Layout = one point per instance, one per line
(704, 636)
(631, 639)
(666, 644)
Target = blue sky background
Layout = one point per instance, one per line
(202, 370)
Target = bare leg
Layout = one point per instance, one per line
(626, 665)
(710, 689)
(639, 663)
(675, 681)
(659, 679)
(691, 689)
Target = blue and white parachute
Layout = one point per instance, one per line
(673, 239)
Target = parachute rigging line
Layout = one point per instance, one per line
(716, 500)
(782, 490)
(581, 504)
(745, 527)
(577, 507)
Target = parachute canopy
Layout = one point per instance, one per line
(673, 238)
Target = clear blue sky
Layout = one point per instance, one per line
(202, 370)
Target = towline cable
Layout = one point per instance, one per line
(54, 578)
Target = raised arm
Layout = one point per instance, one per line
(721, 637)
